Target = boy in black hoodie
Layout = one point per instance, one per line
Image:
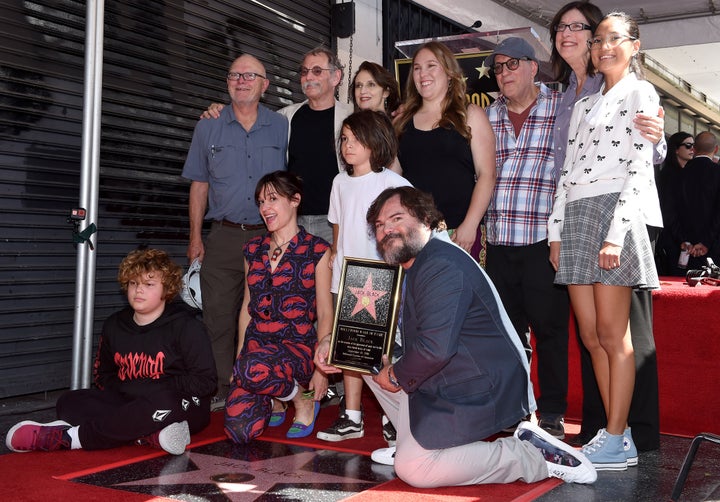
(154, 372)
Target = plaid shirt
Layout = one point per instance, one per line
(525, 186)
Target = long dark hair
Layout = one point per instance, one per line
(594, 15)
(375, 132)
(673, 144)
(385, 80)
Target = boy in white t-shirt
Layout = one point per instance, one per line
(367, 143)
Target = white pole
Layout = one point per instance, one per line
(89, 187)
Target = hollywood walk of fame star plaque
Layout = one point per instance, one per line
(366, 314)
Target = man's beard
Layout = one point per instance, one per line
(396, 253)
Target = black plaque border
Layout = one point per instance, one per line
(363, 268)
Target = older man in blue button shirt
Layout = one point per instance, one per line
(227, 157)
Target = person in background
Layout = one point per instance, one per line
(154, 372)
(681, 149)
(368, 145)
(462, 375)
(287, 290)
(447, 147)
(698, 204)
(572, 26)
(374, 88)
(597, 232)
(226, 156)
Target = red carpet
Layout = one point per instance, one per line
(47, 476)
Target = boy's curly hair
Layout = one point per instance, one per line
(150, 261)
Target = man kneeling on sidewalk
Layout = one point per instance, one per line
(463, 374)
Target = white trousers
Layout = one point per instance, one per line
(501, 461)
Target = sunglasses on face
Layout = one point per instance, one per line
(688, 145)
(315, 70)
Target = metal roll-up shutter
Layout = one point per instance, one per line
(164, 62)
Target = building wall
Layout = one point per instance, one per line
(164, 62)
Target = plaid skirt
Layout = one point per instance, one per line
(586, 224)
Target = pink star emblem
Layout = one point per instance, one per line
(366, 297)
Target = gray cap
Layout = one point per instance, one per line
(512, 47)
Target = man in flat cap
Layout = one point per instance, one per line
(523, 118)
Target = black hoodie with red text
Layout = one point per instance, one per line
(171, 353)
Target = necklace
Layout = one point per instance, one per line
(278, 248)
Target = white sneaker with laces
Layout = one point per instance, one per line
(562, 460)
(385, 456)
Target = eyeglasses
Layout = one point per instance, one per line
(611, 40)
(315, 70)
(512, 65)
(560, 27)
(247, 76)
(688, 145)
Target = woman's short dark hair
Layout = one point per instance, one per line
(285, 183)
(385, 80)
(374, 131)
(594, 15)
(419, 204)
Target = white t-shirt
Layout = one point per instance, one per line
(350, 200)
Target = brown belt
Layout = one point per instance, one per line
(243, 226)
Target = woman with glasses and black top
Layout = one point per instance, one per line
(599, 243)
(573, 26)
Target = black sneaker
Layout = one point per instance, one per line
(342, 429)
(553, 425)
(389, 432)
(331, 398)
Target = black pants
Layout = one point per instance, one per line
(524, 279)
(109, 419)
(644, 417)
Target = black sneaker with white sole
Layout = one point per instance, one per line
(389, 432)
(343, 428)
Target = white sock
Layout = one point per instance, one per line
(354, 415)
(291, 395)
(74, 434)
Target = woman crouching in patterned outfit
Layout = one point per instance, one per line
(287, 288)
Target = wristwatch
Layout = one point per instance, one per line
(391, 377)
